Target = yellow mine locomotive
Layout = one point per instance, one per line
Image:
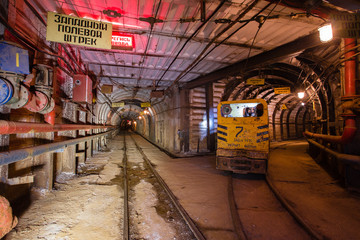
(243, 136)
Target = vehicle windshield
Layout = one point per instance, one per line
(235, 110)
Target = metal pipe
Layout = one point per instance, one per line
(346, 158)
(349, 93)
(8, 127)
(350, 66)
(348, 134)
(20, 154)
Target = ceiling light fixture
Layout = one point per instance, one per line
(112, 13)
(301, 94)
(326, 33)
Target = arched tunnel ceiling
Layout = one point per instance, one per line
(139, 94)
(178, 46)
(314, 71)
(178, 42)
(131, 108)
(129, 111)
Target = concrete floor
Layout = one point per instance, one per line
(202, 191)
(326, 206)
(317, 197)
(85, 207)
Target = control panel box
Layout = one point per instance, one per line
(82, 91)
(13, 59)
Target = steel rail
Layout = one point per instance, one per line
(194, 229)
(20, 154)
(300, 220)
(126, 232)
(238, 226)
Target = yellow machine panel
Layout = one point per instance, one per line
(243, 136)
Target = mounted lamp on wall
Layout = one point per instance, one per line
(326, 33)
(301, 94)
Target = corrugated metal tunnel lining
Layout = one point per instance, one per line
(161, 68)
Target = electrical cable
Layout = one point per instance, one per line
(188, 40)
(34, 47)
(169, 59)
(31, 45)
(327, 71)
(218, 44)
(37, 14)
(325, 74)
(142, 61)
(258, 30)
(199, 58)
(246, 22)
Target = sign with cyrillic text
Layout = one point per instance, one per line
(145, 104)
(122, 41)
(117, 104)
(78, 31)
(282, 90)
(255, 81)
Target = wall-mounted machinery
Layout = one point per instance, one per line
(82, 91)
(18, 88)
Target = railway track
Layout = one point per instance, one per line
(126, 234)
(129, 164)
(300, 220)
(185, 227)
(240, 226)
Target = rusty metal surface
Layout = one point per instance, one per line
(241, 165)
(7, 221)
(17, 155)
(8, 127)
(241, 153)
